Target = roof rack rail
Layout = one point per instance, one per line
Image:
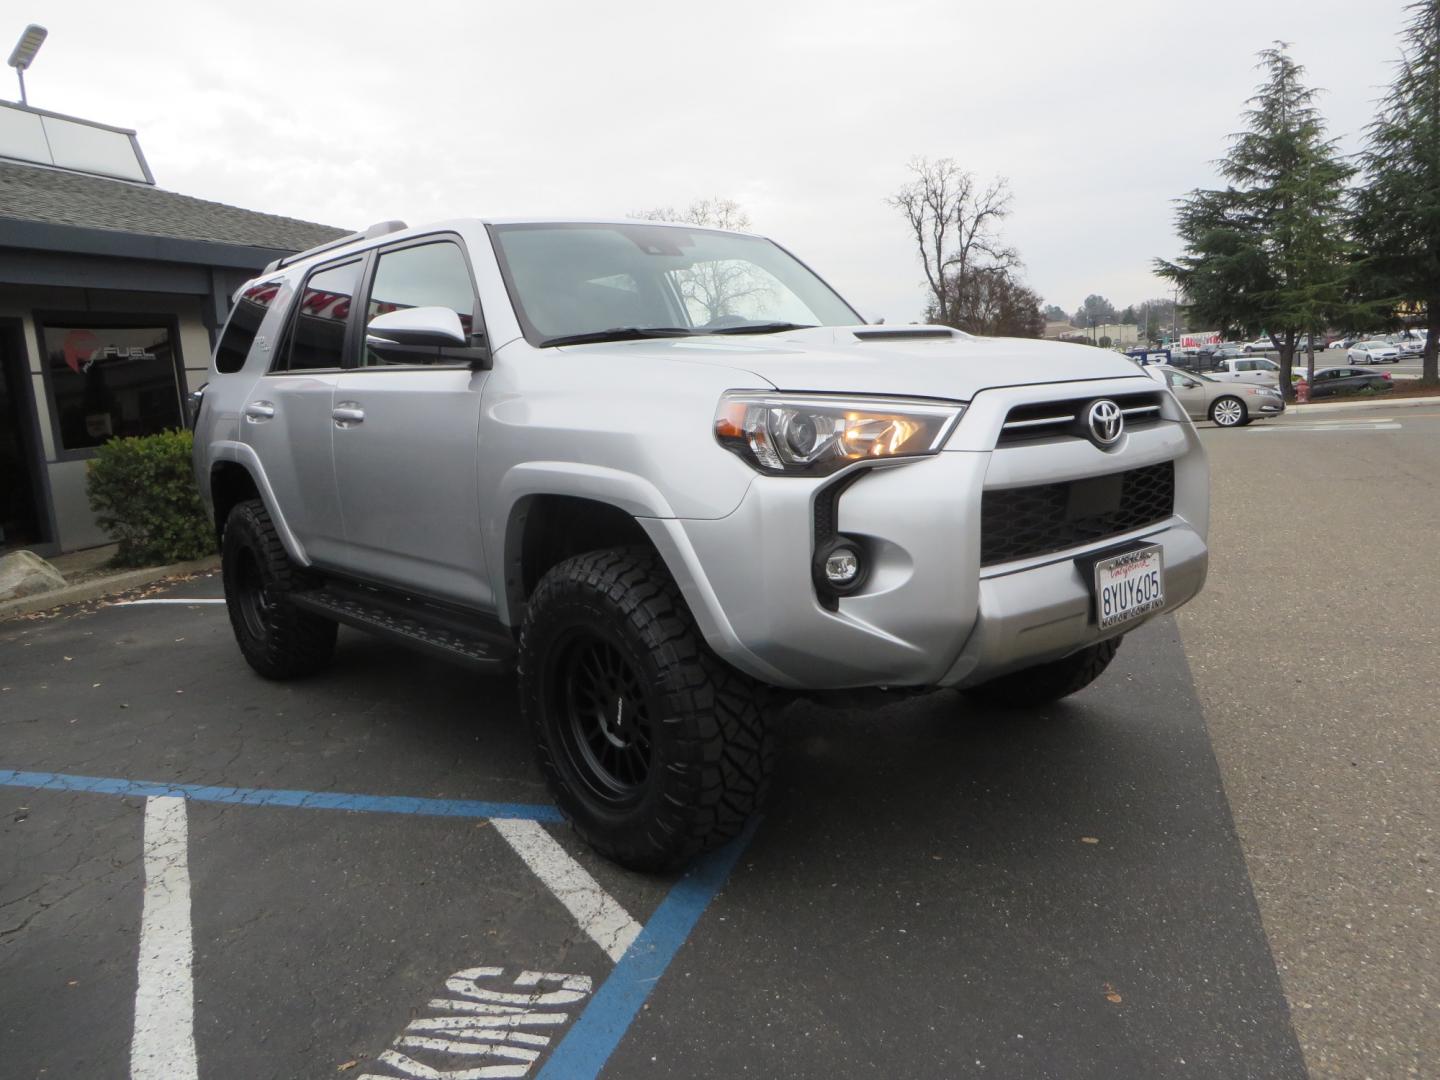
(380, 228)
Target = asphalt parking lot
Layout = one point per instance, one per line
(359, 874)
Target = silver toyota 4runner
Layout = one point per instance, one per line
(670, 476)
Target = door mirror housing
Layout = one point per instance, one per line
(418, 326)
(426, 335)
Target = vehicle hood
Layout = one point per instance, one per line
(833, 359)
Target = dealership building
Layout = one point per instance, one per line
(112, 293)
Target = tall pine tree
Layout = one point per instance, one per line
(1267, 253)
(1397, 211)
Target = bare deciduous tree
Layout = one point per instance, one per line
(712, 213)
(719, 287)
(955, 222)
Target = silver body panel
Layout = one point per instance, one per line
(427, 492)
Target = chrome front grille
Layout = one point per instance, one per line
(1050, 419)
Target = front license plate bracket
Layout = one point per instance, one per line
(1089, 566)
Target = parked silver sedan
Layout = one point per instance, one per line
(1228, 404)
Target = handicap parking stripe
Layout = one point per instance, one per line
(587, 1046)
(644, 952)
(307, 800)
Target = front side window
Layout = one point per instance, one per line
(427, 275)
(317, 327)
(244, 324)
(574, 280)
(111, 381)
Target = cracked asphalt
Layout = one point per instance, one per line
(933, 892)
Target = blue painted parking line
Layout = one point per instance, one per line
(587, 1046)
(306, 800)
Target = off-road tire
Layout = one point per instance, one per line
(710, 752)
(1045, 683)
(277, 639)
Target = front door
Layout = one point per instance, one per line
(1190, 392)
(407, 439)
(20, 517)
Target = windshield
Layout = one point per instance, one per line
(602, 282)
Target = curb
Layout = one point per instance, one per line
(99, 587)
(1377, 403)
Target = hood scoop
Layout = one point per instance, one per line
(906, 333)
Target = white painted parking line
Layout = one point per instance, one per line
(167, 600)
(163, 1047)
(597, 912)
(1332, 426)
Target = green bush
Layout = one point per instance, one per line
(143, 494)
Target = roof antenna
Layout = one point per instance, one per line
(24, 53)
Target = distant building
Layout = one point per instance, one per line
(112, 292)
(1118, 333)
(1063, 331)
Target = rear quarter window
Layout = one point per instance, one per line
(243, 325)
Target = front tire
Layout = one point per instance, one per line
(654, 749)
(1229, 412)
(277, 639)
(1045, 683)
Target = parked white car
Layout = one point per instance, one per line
(1258, 370)
(1373, 351)
(1259, 345)
(1411, 346)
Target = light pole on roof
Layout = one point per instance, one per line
(24, 53)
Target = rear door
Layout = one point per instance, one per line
(406, 437)
(286, 417)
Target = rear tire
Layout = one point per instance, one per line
(654, 748)
(1045, 683)
(277, 639)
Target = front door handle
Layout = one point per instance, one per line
(258, 411)
(347, 413)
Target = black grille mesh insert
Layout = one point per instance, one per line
(1017, 523)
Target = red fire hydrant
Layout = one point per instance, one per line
(1302, 392)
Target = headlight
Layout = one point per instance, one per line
(816, 434)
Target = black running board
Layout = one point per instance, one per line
(415, 624)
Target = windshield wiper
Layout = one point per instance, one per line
(618, 333)
(761, 328)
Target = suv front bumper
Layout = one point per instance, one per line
(928, 613)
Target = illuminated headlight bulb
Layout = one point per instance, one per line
(842, 567)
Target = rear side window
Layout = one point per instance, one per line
(317, 328)
(244, 324)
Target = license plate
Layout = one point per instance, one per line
(1128, 586)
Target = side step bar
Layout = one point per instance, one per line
(415, 624)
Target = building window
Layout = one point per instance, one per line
(111, 381)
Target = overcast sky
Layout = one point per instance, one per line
(805, 112)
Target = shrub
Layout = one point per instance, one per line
(143, 494)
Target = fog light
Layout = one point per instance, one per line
(842, 567)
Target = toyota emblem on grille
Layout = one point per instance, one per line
(1107, 422)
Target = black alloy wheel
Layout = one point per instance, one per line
(257, 609)
(607, 731)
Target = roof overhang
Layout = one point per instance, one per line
(113, 243)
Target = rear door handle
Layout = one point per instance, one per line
(258, 411)
(348, 413)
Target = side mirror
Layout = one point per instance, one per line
(418, 326)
